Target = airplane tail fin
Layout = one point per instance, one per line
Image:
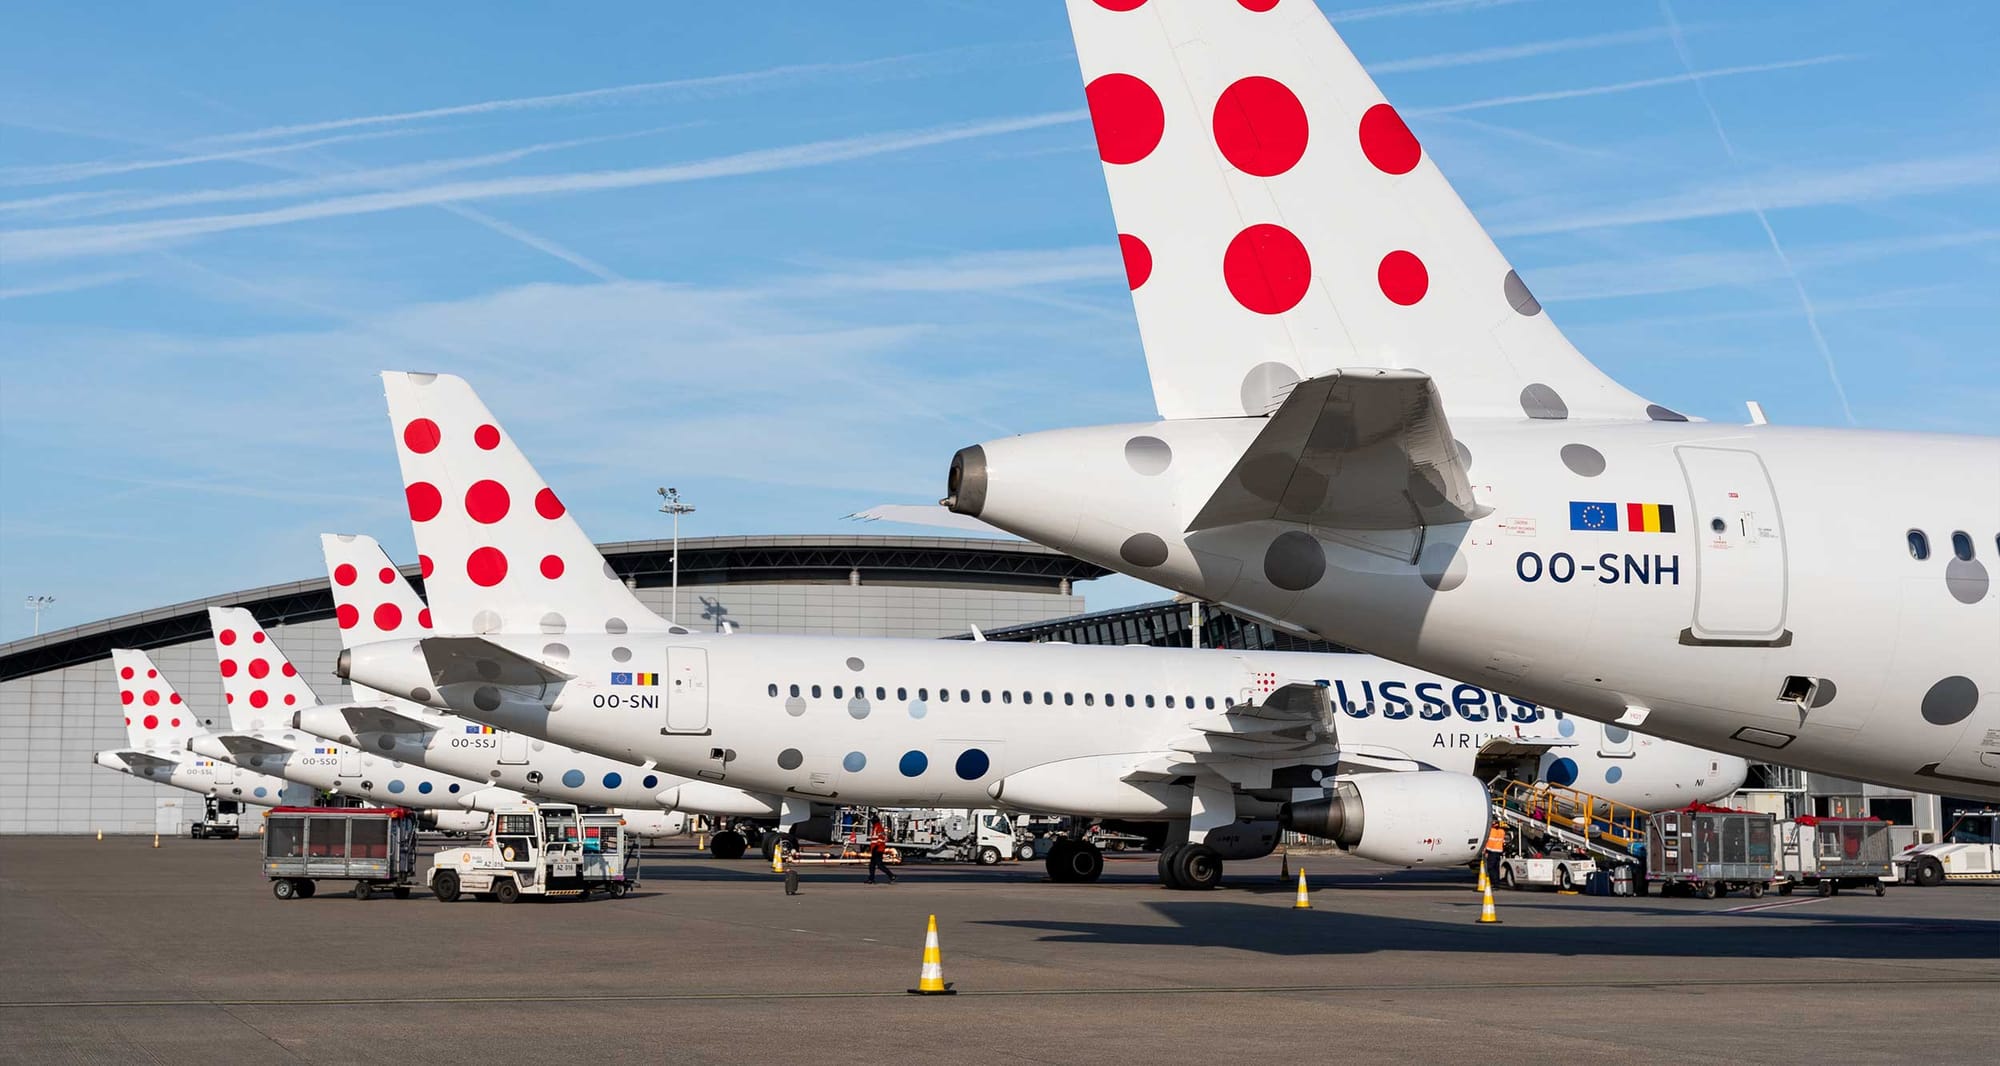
(372, 600)
(261, 686)
(498, 549)
(1279, 222)
(155, 717)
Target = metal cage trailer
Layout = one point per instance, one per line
(1710, 852)
(374, 847)
(1834, 853)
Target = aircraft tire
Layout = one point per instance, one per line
(728, 844)
(1197, 867)
(1057, 860)
(1168, 877)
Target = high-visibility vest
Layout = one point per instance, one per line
(1496, 839)
(878, 841)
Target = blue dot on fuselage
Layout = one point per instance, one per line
(395, 786)
(973, 764)
(613, 780)
(425, 787)
(1612, 775)
(913, 763)
(261, 790)
(651, 781)
(453, 789)
(1562, 772)
(573, 778)
(854, 762)
(1566, 727)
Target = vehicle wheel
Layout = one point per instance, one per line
(1507, 877)
(1197, 867)
(1025, 852)
(1710, 890)
(307, 888)
(401, 892)
(507, 891)
(1057, 860)
(1756, 890)
(1826, 888)
(728, 844)
(283, 888)
(1564, 881)
(989, 856)
(1785, 889)
(362, 889)
(445, 886)
(1880, 888)
(1930, 873)
(1721, 889)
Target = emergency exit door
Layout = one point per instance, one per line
(1739, 564)
(687, 690)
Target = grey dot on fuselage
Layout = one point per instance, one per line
(487, 698)
(855, 664)
(1265, 386)
(1442, 567)
(487, 621)
(1464, 454)
(790, 758)
(1540, 401)
(1950, 701)
(1518, 296)
(623, 655)
(1583, 460)
(1148, 455)
(857, 708)
(1143, 549)
(555, 651)
(795, 706)
(553, 623)
(1294, 561)
(487, 669)
(1664, 414)
(614, 626)
(1966, 579)
(421, 695)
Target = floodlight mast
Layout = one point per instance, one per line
(38, 604)
(675, 507)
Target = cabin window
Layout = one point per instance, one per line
(1069, 699)
(901, 694)
(1209, 702)
(815, 692)
(986, 695)
(1090, 699)
(1149, 701)
(1920, 545)
(1961, 545)
(1006, 696)
(772, 689)
(795, 690)
(1128, 700)
(836, 692)
(965, 695)
(1170, 701)
(883, 693)
(1049, 698)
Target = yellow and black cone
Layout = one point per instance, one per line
(100, 834)
(156, 840)
(1486, 915)
(1481, 885)
(930, 979)
(778, 858)
(1304, 902)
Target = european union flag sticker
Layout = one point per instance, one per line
(620, 678)
(1592, 516)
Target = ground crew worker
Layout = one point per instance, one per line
(1496, 843)
(878, 849)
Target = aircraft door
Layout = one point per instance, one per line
(350, 762)
(1615, 742)
(513, 749)
(687, 690)
(1740, 566)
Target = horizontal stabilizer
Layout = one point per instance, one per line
(245, 744)
(371, 718)
(477, 661)
(141, 761)
(1356, 449)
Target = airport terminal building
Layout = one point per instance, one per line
(58, 699)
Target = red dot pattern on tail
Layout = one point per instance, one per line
(1119, 5)
(1259, 6)
(486, 567)
(228, 667)
(424, 565)
(487, 437)
(343, 574)
(1138, 259)
(387, 617)
(486, 502)
(425, 501)
(552, 566)
(226, 637)
(548, 506)
(1267, 269)
(259, 669)
(1387, 142)
(1127, 117)
(347, 615)
(421, 436)
(1260, 127)
(1403, 277)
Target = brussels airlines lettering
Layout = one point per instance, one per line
(1432, 703)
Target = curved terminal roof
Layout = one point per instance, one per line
(796, 559)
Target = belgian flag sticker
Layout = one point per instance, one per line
(1649, 518)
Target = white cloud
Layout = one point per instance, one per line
(1509, 52)
(1627, 86)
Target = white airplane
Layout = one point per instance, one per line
(1222, 746)
(263, 690)
(372, 601)
(158, 726)
(1371, 432)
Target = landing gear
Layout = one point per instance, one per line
(1075, 861)
(768, 843)
(1194, 867)
(728, 844)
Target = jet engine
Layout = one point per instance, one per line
(1428, 818)
(454, 821)
(654, 825)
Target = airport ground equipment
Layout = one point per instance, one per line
(1562, 837)
(985, 837)
(221, 819)
(1711, 851)
(1830, 854)
(374, 847)
(533, 850)
(1969, 851)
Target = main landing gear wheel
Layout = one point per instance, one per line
(445, 887)
(1073, 861)
(728, 844)
(507, 891)
(768, 843)
(1195, 867)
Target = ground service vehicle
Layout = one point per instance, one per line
(221, 819)
(1833, 853)
(534, 850)
(1709, 851)
(1970, 851)
(1566, 873)
(986, 837)
(374, 847)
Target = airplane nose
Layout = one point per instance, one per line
(1730, 772)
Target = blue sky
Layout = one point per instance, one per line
(788, 257)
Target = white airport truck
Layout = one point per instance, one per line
(1970, 851)
(221, 819)
(987, 837)
(538, 849)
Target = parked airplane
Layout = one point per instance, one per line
(263, 690)
(1223, 746)
(373, 601)
(1371, 432)
(158, 726)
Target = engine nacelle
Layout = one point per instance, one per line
(454, 821)
(1244, 840)
(1431, 818)
(707, 797)
(653, 825)
(1091, 785)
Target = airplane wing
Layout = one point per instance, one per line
(245, 744)
(369, 718)
(1354, 449)
(477, 661)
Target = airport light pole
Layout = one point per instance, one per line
(38, 604)
(675, 507)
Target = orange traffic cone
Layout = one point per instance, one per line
(1304, 902)
(930, 979)
(1486, 915)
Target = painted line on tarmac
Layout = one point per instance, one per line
(1752, 908)
(1162, 990)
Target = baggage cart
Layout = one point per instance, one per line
(374, 847)
(1711, 851)
(1830, 854)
